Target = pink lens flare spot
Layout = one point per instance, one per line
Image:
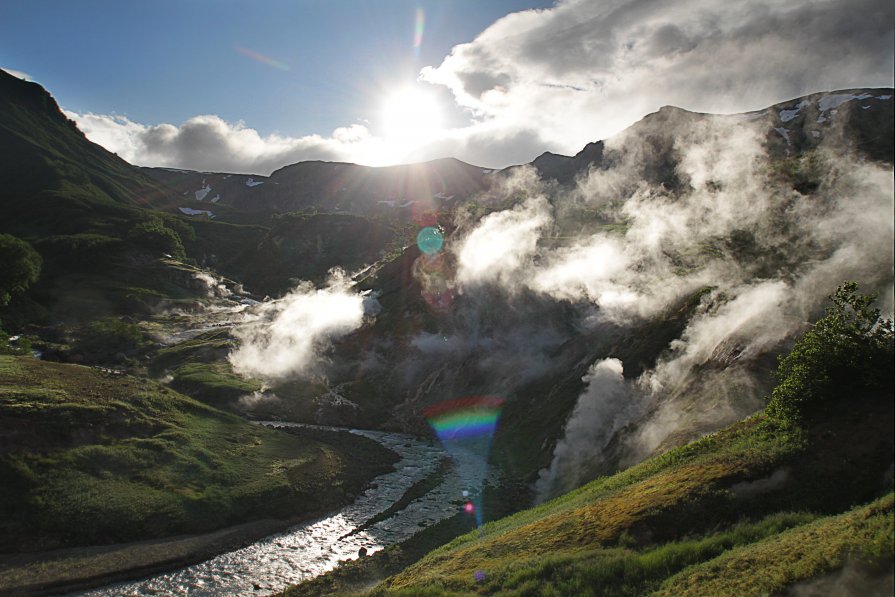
(469, 508)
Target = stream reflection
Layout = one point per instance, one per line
(314, 547)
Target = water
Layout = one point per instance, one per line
(312, 548)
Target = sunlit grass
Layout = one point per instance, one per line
(94, 458)
(628, 533)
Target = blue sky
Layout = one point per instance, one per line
(168, 60)
(242, 86)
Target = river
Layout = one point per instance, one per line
(314, 547)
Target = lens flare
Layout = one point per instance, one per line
(261, 58)
(419, 28)
(424, 213)
(465, 427)
(430, 240)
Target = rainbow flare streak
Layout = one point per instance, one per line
(465, 418)
(419, 28)
(465, 424)
(465, 427)
(261, 58)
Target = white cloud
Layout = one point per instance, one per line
(209, 143)
(755, 259)
(559, 78)
(584, 70)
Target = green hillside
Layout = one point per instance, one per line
(101, 226)
(778, 498)
(92, 458)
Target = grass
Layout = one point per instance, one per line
(625, 571)
(212, 383)
(804, 552)
(199, 369)
(90, 458)
(675, 515)
(757, 558)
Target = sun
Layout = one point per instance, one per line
(410, 115)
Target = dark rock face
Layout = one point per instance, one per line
(859, 120)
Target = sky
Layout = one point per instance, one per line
(239, 86)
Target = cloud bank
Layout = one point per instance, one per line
(584, 70)
(208, 143)
(558, 78)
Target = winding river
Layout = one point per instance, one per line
(314, 547)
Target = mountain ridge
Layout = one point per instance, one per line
(319, 182)
(622, 301)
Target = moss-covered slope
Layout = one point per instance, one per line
(87, 458)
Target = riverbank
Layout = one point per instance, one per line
(78, 568)
(45, 572)
(312, 548)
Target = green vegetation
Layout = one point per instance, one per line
(198, 368)
(19, 266)
(805, 552)
(848, 351)
(307, 246)
(19, 346)
(91, 458)
(212, 383)
(204, 348)
(152, 234)
(756, 507)
(109, 340)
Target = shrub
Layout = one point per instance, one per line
(154, 235)
(848, 351)
(19, 266)
(20, 345)
(105, 338)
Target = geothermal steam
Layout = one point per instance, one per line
(287, 337)
(763, 255)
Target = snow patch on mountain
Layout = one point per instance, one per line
(251, 182)
(787, 115)
(830, 102)
(195, 212)
(783, 133)
(203, 192)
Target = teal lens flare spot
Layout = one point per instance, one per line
(430, 240)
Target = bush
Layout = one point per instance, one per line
(154, 235)
(848, 351)
(105, 339)
(20, 345)
(19, 267)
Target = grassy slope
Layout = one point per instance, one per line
(89, 458)
(628, 533)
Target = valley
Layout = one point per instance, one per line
(613, 325)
